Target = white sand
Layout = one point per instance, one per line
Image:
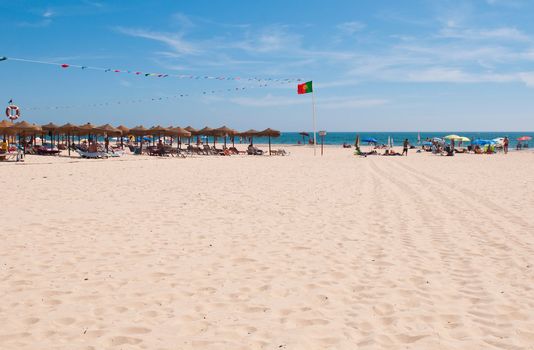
(242, 252)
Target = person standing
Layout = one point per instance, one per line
(405, 147)
(505, 144)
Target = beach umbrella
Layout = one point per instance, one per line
(51, 129)
(125, 131)
(69, 129)
(250, 134)
(370, 140)
(452, 137)
(304, 134)
(427, 143)
(481, 142)
(25, 129)
(524, 138)
(270, 133)
(224, 131)
(139, 131)
(193, 132)
(158, 130)
(5, 128)
(107, 130)
(179, 132)
(207, 131)
(86, 129)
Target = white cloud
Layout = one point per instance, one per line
(349, 28)
(527, 78)
(48, 13)
(502, 33)
(174, 40)
(335, 102)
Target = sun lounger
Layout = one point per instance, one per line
(91, 155)
(251, 150)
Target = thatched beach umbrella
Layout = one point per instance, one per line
(125, 131)
(107, 130)
(224, 131)
(270, 133)
(179, 133)
(25, 129)
(69, 130)
(50, 129)
(250, 134)
(158, 130)
(140, 131)
(6, 128)
(193, 132)
(207, 131)
(86, 129)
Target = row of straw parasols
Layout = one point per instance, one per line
(24, 128)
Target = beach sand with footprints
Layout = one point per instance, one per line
(258, 252)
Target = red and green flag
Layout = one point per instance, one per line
(304, 88)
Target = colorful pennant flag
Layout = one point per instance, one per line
(158, 75)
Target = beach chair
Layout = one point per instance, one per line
(253, 151)
(91, 155)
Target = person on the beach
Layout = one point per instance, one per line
(405, 147)
(505, 144)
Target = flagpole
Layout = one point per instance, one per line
(314, 126)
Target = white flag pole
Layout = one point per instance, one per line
(314, 125)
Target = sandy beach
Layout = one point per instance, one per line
(258, 252)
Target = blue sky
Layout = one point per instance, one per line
(376, 65)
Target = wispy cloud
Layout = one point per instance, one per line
(350, 28)
(336, 102)
(502, 33)
(175, 41)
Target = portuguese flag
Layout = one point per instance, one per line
(304, 88)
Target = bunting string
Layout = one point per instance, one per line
(154, 75)
(147, 100)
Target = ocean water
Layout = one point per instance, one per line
(338, 138)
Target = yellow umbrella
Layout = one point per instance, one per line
(452, 137)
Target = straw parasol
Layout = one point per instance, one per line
(70, 130)
(5, 127)
(158, 130)
(207, 131)
(179, 132)
(86, 129)
(250, 134)
(50, 127)
(224, 131)
(124, 129)
(269, 133)
(24, 129)
(139, 131)
(192, 130)
(108, 130)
